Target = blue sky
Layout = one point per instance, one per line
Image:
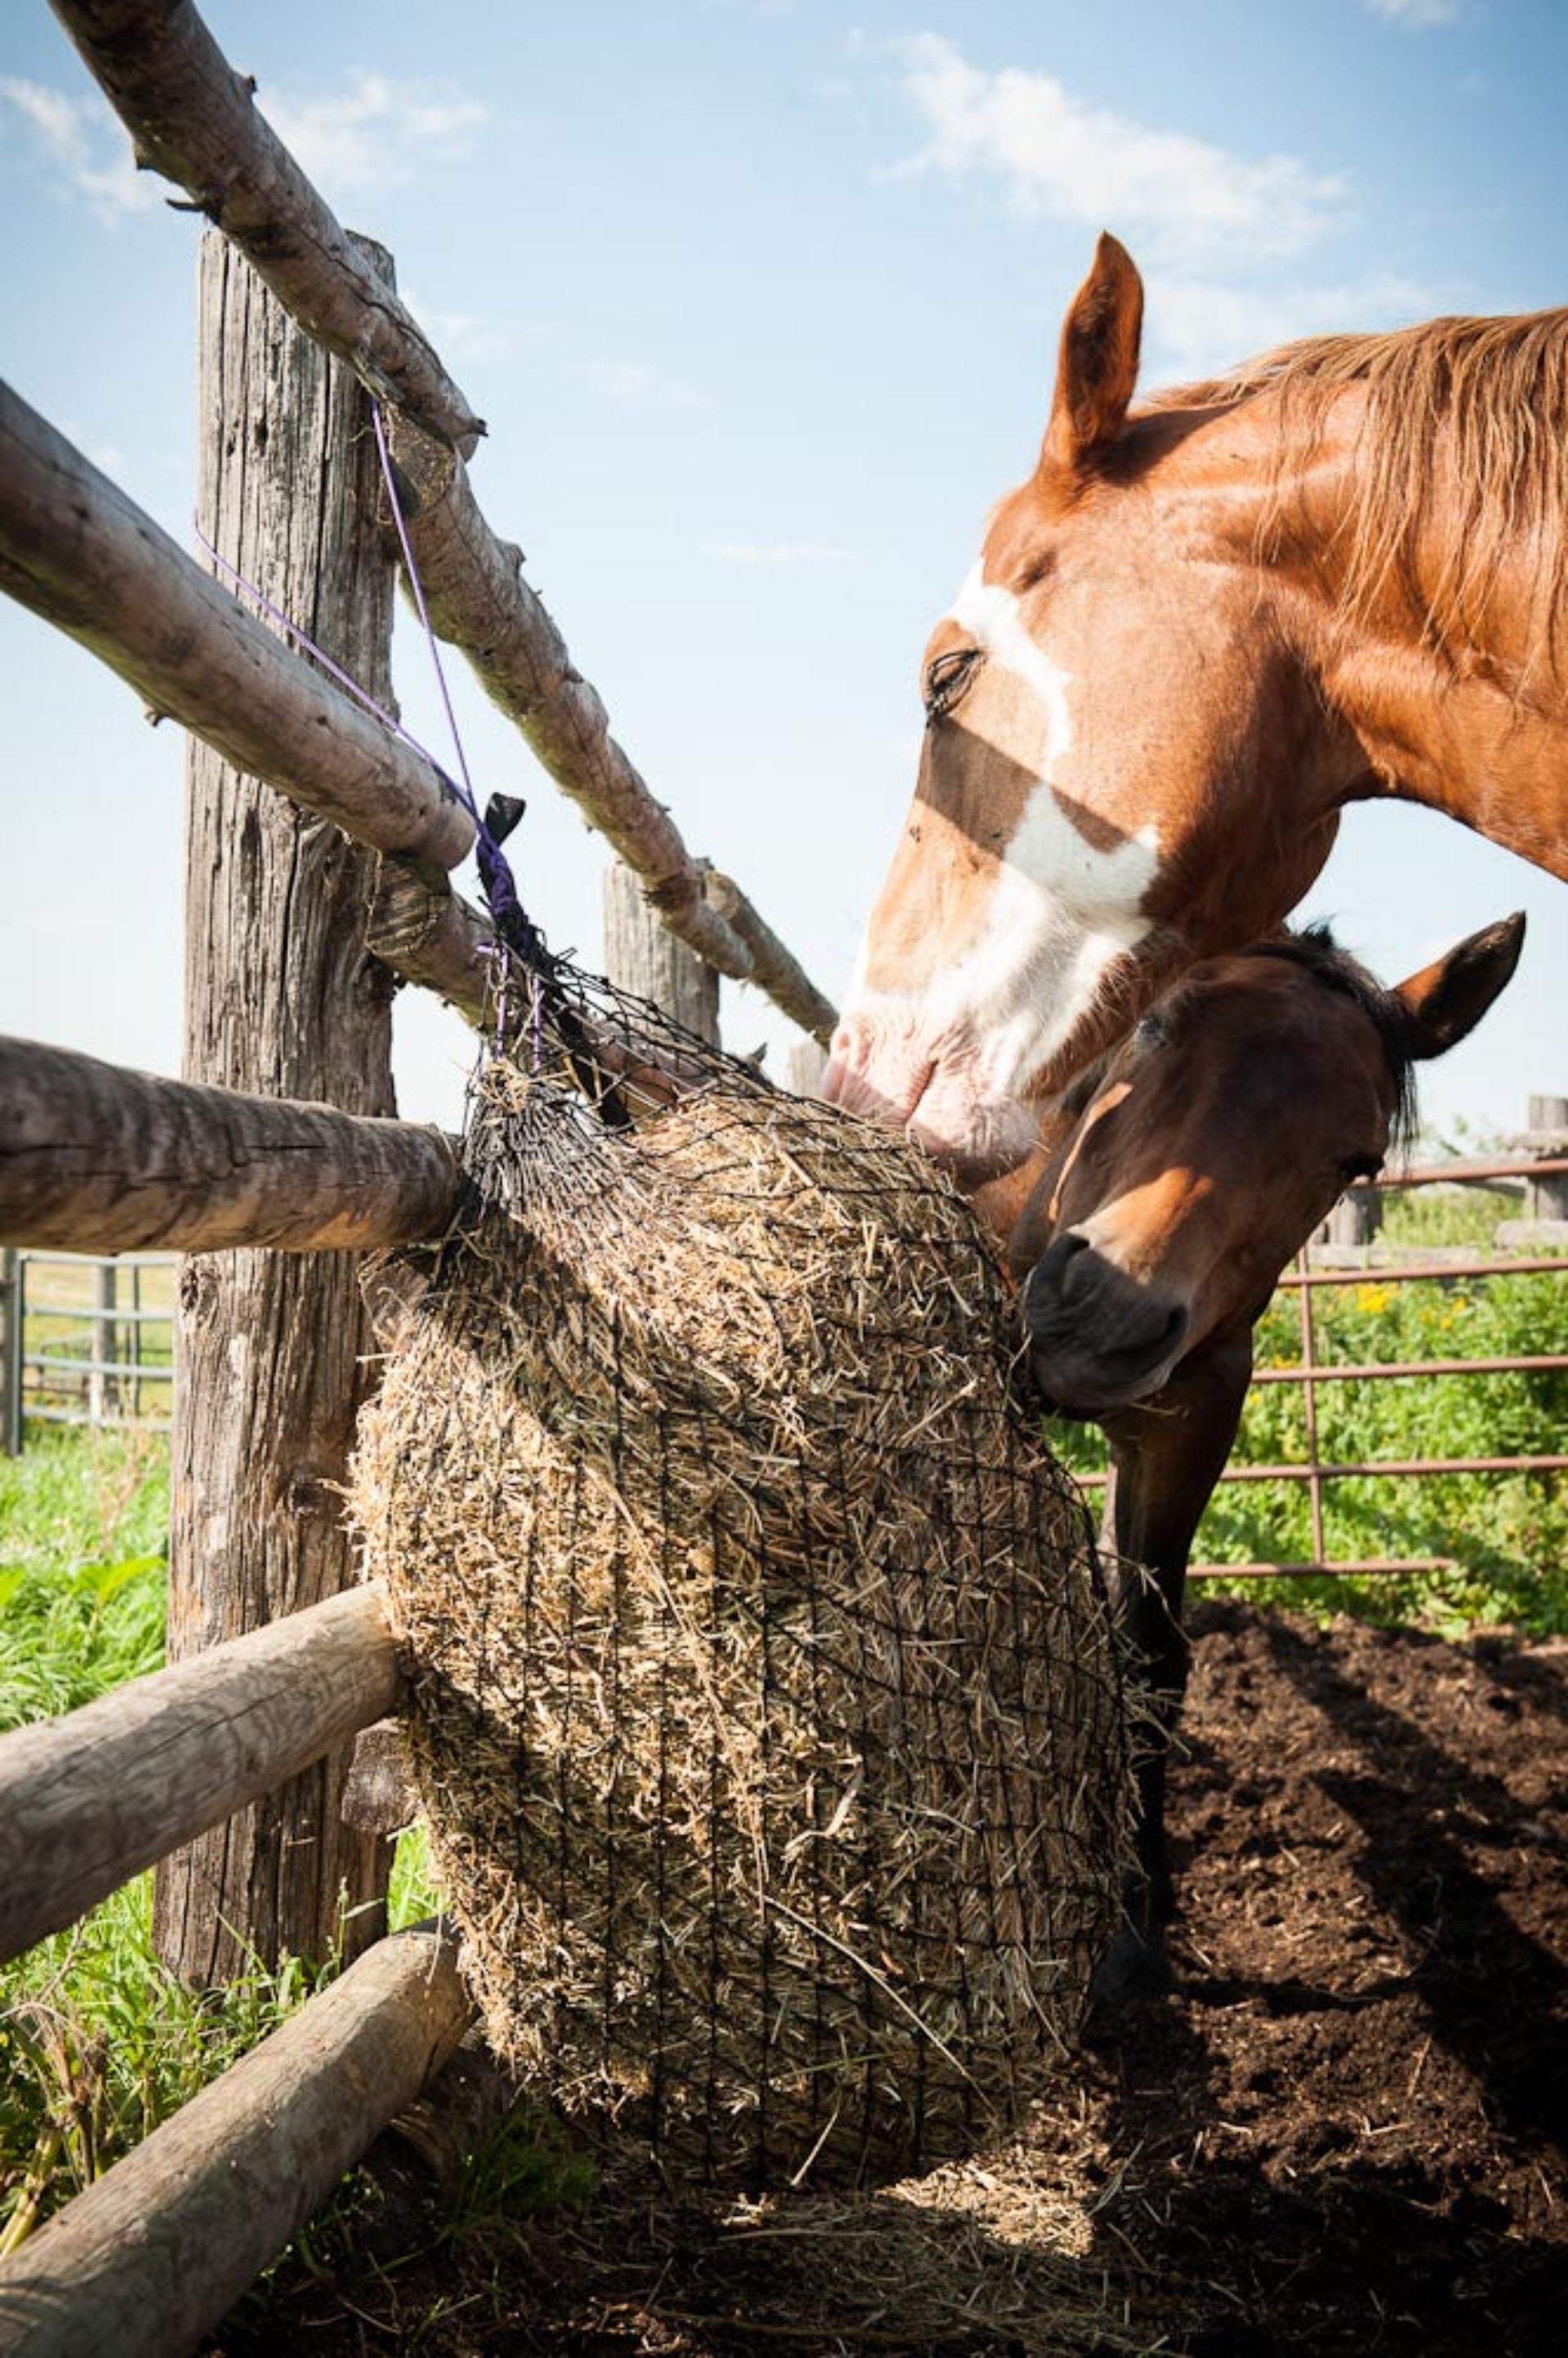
(760, 302)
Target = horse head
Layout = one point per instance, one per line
(1197, 629)
(1209, 1145)
(1057, 864)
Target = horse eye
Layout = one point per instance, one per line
(946, 678)
(1150, 1032)
(1359, 1166)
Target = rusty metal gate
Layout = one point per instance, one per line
(1305, 1280)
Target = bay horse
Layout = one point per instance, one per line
(1198, 630)
(1193, 1162)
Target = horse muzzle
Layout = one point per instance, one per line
(974, 1135)
(1098, 1338)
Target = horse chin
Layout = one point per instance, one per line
(974, 1144)
(1085, 1394)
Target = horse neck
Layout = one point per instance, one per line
(1452, 688)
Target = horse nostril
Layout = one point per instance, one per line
(1072, 1267)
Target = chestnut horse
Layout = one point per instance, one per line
(1204, 1152)
(1197, 632)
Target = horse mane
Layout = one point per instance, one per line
(1316, 948)
(1474, 409)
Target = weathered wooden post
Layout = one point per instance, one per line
(1546, 1198)
(807, 1063)
(1356, 1218)
(283, 998)
(643, 956)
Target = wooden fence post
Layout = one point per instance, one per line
(281, 998)
(1547, 1198)
(103, 1388)
(643, 956)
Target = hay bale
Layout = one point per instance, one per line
(764, 1711)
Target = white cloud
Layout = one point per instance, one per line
(1055, 154)
(639, 382)
(781, 552)
(372, 134)
(79, 145)
(1198, 326)
(1416, 12)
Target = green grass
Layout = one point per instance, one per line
(98, 2043)
(83, 1549)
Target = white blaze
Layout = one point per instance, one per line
(1059, 911)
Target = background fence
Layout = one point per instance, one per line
(89, 1339)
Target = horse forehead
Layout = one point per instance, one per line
(1274, 1013)
(1053, 836)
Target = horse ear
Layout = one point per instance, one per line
(1097, 367)
(1446, 1000)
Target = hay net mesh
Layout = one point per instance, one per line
(765, 1711)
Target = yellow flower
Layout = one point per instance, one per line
(1372, 1298)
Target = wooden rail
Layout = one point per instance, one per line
(90, 1799)
(190, 117)
(94, 1158)
(194, 119)
(79, 552)
(140, 2263)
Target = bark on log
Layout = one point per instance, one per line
(272, 1351)
(89, 1800)
(194, 119)
(76, 550)
(94, 1158)
(431, 937)
(158, 2250)
(775, 970)
(642, 955)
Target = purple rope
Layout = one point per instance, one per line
(344, 678)
(419, 589)
(496, 872)
(512, 923)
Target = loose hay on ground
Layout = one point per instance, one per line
(765, 1713)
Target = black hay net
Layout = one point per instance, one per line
(765, 1713)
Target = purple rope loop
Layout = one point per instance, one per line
(494, 870)
(513, 926)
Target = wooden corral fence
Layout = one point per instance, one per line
(321, 849)
(319, 853)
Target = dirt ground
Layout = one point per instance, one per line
(1342, 2132)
